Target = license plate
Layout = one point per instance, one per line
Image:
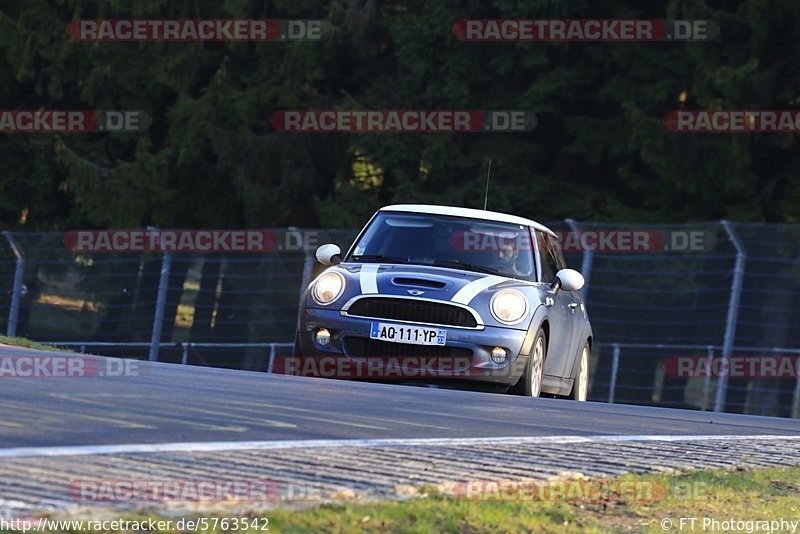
(416, 335)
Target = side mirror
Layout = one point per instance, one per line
(569, 279)
(329, 254)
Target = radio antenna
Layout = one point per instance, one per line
(488, 175)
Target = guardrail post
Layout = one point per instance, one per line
(707, 379)
(271, 357)
(796, 406)
(586, 260)
(612, 387)
(16, 291)
(733, 313)
(161, 302)
(308, 269)
(185, 352)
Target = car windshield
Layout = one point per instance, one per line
(446, 241)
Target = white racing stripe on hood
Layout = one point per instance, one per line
(471, 290)
(368, 277)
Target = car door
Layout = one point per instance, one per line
(574, 303)
(561, 312)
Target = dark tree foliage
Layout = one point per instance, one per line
(210, 158)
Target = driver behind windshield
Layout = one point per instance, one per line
(507, 259)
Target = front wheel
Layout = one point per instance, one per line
(534, 371)
(580, 386)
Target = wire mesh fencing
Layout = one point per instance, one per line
(708, 292)
(132, 301)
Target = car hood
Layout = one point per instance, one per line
(429, 282)
(416, 280)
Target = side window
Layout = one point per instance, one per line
(549, 263)
(555, 248)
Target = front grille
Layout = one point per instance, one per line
(361, 347)
(418, 311)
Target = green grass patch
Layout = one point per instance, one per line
(25, 343)
(753, 495)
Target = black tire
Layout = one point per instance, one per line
(580, 384)
(530, 383)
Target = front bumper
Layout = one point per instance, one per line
(469, 349)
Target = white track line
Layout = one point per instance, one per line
(217, 446)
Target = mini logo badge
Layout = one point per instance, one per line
(416, 292)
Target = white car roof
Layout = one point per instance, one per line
(468, 213)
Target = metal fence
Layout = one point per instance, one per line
(737, 296)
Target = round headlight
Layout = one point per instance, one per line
(509, 306)
(328, 288)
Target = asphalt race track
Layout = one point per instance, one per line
(331, 432)
(171, 403)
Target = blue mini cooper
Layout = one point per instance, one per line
(432, 284)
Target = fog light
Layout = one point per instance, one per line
(499, 355)
(322, 337)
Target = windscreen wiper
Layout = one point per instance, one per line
(380, 257)
(467, 266)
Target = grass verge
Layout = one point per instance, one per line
(25, 343)
(743, 495)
